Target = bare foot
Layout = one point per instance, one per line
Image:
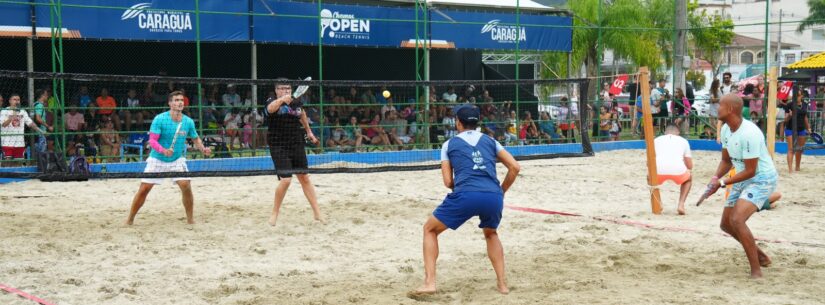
(272, 220)
(320, 219)
(422, 292)
(681, 211)
(765, 261)
(128, 222)
(502, 288)
(756, 274)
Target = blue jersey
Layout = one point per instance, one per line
(166, 127)
(473, 156)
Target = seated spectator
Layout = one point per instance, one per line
(232, 123)
(83, 96)
(488, 125)
(106, 107)
(339, 140)
(109, 141)
(368, 98)
(449, 97)
(376, 133)
(130, 109)
(707, 133)
(354, 133)
(252, 133)
(229, 100)
(75, 124)
(388, 106)
(528, 132)
(547, 128)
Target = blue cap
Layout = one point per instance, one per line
(467, 113)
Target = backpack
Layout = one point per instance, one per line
(79, 166)
(51, 163)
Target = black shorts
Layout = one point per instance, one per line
(292, 159)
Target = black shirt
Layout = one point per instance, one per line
(284, 125)
(798, 115)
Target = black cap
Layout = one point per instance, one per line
(467, 113)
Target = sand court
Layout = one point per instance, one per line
(65, 242)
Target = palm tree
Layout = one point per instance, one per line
(625, 30)
(816, 17)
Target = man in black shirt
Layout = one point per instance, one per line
(285, 118)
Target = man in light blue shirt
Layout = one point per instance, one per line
(167, 138)
(468, 167)
(743, 147)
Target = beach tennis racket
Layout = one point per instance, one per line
(175, 138)
(816, 137)
(301, 89)
(704, 196)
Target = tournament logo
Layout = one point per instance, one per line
(157, 20)
(478, 161)
(504, 33)
(344, 26)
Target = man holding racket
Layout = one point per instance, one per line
(167, 137)
(468, 168)
(287, 124)
(743, 146)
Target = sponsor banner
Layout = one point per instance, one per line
(132, 20)
(476, 30)
(285, 22)
(339, 25)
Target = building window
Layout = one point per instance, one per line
(760, 57)
(746, 58)
(818, 35)
(790, 58)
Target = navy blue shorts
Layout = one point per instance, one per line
(457, 208)
(800, 133)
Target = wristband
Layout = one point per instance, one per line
(722, 182)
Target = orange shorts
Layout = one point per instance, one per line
(678, 179)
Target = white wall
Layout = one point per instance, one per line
(750, 11)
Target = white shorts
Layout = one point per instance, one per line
(157, 166)
(405, 139)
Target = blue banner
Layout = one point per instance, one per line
(339, 25)
(286, 22)
(478, 30)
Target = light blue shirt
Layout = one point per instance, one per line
(747, 142)
(166, 127)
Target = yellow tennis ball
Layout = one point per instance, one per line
(386, 93)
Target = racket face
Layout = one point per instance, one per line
(175, 138)
(701, 199)
(816, 137)
(301, 89)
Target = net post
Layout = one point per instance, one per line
(771, 128)
(652, 176)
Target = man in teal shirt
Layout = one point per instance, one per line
(743, 147)
(167, 137)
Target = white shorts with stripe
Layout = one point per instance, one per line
(157, 166)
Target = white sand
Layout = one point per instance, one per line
(70, 247)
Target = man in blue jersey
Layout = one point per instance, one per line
(167, 137)
(743, 146)
(468, 167)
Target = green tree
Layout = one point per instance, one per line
(815, 17)
(623, 31)
(709, 35)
